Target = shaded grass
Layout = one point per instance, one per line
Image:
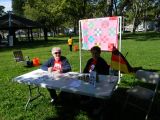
(143, 51)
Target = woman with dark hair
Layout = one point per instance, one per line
(96, 63)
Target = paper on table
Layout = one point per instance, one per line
(76, 83)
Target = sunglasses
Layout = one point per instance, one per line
(57, 53)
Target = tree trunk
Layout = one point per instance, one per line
(31, 34)
(45, 34)
(75, 27)
(110, 7)
(28, 34)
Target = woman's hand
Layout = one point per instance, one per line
(58, 71)
(50, 69)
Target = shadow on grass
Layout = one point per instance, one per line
(151, 70)
(141, 36)
(114, 109)
(35, 44)
(110, 109)
(67, 107)
(131, 113)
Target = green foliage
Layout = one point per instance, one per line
(47, 12)
(17, 6)
(67, 13)
(138, 11)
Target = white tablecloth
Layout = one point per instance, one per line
(69, 82)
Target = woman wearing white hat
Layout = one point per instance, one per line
(56, 63)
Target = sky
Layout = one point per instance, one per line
(7, 4)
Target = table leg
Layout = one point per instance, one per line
(31, 98)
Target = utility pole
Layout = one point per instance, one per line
(10, 33)
(9, 23)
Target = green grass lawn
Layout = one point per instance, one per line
(143, 50)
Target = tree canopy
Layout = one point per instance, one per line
(67, 13)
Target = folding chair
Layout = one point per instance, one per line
(143, 97)
(18, 56)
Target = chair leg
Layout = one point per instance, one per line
(149, 109)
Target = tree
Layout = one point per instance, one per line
(17, 6)
(67, 13)
(74, 11)
(47, 12)
(138, 11)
